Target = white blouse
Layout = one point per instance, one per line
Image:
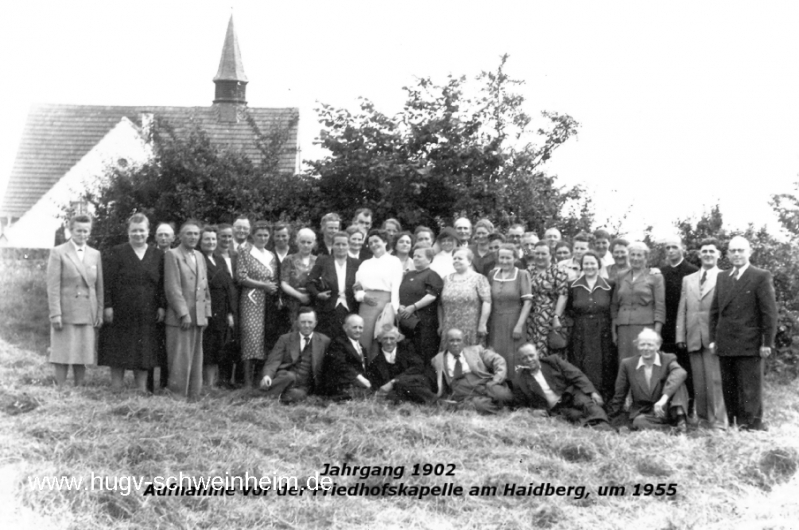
(380, 274)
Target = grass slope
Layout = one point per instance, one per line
(723, 480)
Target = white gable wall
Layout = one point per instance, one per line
(37, 227)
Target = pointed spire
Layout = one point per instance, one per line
(230, 79)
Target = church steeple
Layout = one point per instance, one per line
(230, 80)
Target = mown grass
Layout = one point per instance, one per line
(724, 479)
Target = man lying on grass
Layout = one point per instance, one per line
(557, 386)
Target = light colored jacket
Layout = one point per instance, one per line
(693, 315)
(75, 287)
(186, 286)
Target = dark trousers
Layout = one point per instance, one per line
(742, 385)
(283, 388)
(577, 407)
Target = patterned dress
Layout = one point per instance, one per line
(461, 300)
(507, 298)
(252, 304)
(295, 273)
(546, 286)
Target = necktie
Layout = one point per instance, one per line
(306, 342)
(703, 279)
(735, 274)
(458, 373)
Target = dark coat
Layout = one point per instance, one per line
(743, 315)
(668, 379)
(342, 366)
(224, 298)
(406, 364)
(325, 269)
(561, 376)
(672, 280)
(287, 352)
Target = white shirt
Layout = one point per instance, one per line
(341, 276)
(648, 369)
(380, 274)
(550, 395)
(358, 348)
(710, 278)
(391, 357)
(264, 257)
(81, 250)
(451, 360)
(302, 340)
(740, 272)
(442, 264)
(229, 263)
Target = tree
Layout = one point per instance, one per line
(190, 177)
(448, 153)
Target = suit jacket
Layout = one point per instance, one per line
(693, 313)
(672, 283)
(186, 287)
(743, 315)
(290, 346)
(224, 298)
(325, 268)
(342, 365)
(406, 363)
(561, 376)
(482, 362)
(75, 288)
(640, 302)
(134, 288)
(668, 379)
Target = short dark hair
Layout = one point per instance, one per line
(591, 254)
(365, 211)
(619, 241)
(343, 234)
(209, 228)
(601, 233)
(304, 310)
(497, 235)
(281, 226)
(225, 226)
(710, 241)
(424, 229)
(582, 237)
(261, 225)
(379, 233)
(402, 234)
(561, 244)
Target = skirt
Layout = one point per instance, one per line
(74, 344)
(370, 314)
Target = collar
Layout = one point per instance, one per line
(78, 247)
(583, 282)
(740, 271)
(511, 279)
(356, 344)
(678, 264)
(309, 336)
(641, 361)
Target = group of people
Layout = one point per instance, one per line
(467, 316)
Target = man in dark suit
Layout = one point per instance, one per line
(330, 286)
(743, 325)
(557, 386)
(293, 368)
(673, 272)
(397, 372)
(344, 369)
(656, 382)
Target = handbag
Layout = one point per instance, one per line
(557, 339)
(408, 324)
(321, 284)
(386, 318)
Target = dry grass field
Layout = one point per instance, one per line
(722, 479)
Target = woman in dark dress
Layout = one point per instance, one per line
(223, 307)
(418, 311)
(134, 304)
(592, 340)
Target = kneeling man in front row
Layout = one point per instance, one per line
(472, 376)
(657, 384)
(293, 368)
(397, 372)
(344, 370)
(557, 386)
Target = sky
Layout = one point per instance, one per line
(682, 105)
